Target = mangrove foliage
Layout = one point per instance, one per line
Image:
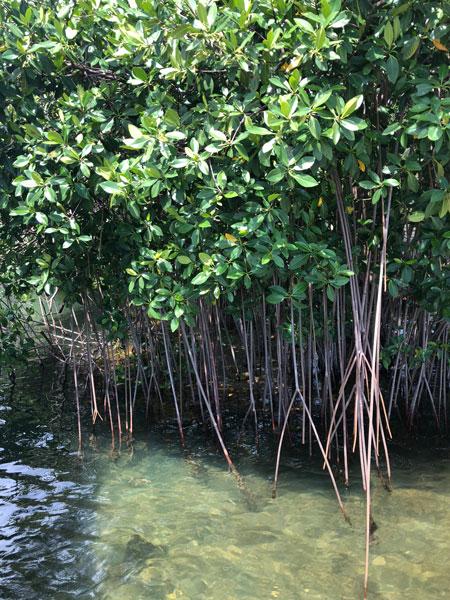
(238, 205)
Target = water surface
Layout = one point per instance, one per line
(158, 522)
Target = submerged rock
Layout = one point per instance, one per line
(138, 548)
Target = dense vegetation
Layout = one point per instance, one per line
(234, 187)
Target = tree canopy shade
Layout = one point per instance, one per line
(282, 163)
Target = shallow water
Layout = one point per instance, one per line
(160, 523)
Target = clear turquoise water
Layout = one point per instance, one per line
(157, 522)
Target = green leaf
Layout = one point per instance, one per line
(388, 34)
(353, 124)
(275, 175)
(153, 314)
(139, 73)
(393, 288)
(330, 293)
(215, 134)
(278, 260)
(314, 127)
(412, 182)
(29, 183)
(180, 163)
(335, 133)
(201, 277)
(391, 182)
(205, 258)
(258, 130)
(434, 132)
(179, 311)
(445, 207)
(321, 98)
(11, 55)
(41, 218)
(305, 163)
(304, 180)
(133, 209)
(410, 48)
(268, 146)
(377, 196)
(341, 21)
(391, 129)
(392, 69)
(183, 260)
(135, 132)
(368, 185)
(304, 25)
(21, 161)
(276, 294)
(54, 136)
(20, 211)
(68, 160)
(111, 187)
(70, 33)
(416, 217)
(212, 14)
(172, 117)
(175, 135)
(203, 167)
(350, 106)
(407, 274)
(320, 38)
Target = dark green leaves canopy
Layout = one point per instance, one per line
(162, 151)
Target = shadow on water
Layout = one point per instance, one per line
(163, 522)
